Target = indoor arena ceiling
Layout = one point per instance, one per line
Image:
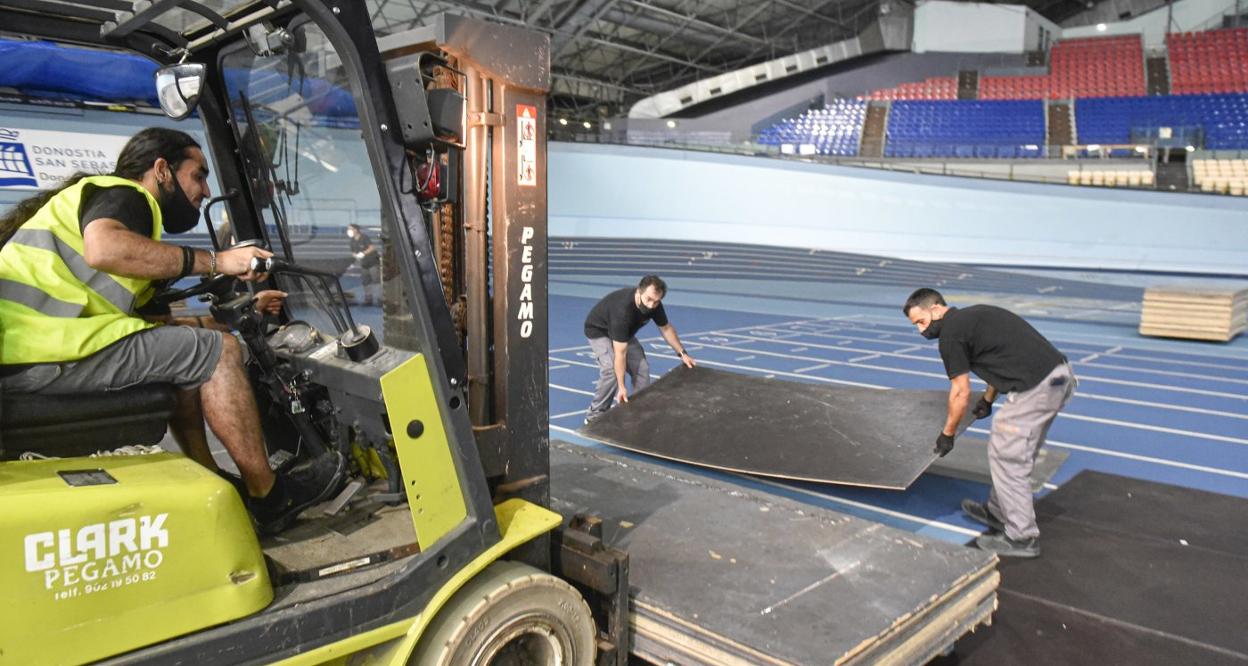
(607, 54)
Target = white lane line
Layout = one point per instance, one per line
(1161, 405)
(1153, 428)
(558, 367)
(1133, 456)
(1118, 355)
(579, 412)
(573, 390)
(925, 359)
(1084, 338)
(1164, 373)
(868, 357)
(744, 358)
(978, 383)
(725, 330)
(761, 371)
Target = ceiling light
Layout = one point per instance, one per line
(1101, 27)
(563, 121)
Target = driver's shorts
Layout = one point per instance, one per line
(180, 355)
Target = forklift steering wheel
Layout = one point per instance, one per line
(206, 285)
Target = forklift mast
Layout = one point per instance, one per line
(489, 235)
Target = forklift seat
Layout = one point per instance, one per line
(80, 424)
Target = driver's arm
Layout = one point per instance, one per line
(111, 247)
(266, 302)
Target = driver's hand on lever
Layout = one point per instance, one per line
(270, 301)
(237, 262)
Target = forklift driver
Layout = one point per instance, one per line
(79, 264)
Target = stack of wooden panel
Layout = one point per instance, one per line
(1196, 313)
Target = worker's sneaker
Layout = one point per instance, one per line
(297, 489)
(978, 512)
(1004, 546)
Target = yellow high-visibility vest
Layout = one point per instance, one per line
(54, 307)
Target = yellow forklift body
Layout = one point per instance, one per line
(518, 522)
(432, 481)
(105, 555)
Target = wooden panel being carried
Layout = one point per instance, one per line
(1196, 313)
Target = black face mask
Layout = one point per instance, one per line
(177, 214)
(933, 329)
(641, 307)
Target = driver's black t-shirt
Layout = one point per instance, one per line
(128, 206)
(124, 204)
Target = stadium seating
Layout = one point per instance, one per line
(965, 128)
(1111, 178)
(938, 87)
(1093, 67)
(1014, 87)
(1097, 67)
(1221, 175)
(1212, 61)
(833, 130)
(1110, 120)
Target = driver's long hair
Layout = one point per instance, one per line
(135, 159)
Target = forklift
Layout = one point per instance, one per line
(442, 548)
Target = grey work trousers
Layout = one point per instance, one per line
(637, 366)
(1018, 431)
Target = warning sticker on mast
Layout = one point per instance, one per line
(526, 143)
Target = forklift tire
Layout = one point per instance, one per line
(510, 614)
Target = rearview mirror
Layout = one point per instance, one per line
(178, 88)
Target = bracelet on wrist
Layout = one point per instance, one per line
(212, 262)
(188, 261)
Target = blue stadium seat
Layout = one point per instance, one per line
(1109, 120)
(834, 130)
(967, 128)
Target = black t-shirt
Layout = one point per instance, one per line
(998, 346)
(616, 316)
(128, 206)
(360, 243)
(124, 204)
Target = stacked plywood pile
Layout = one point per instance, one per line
(1197, 313)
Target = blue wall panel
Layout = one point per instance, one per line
(622, 191)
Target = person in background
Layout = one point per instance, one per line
(369, 261)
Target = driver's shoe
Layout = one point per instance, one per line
(300, 487)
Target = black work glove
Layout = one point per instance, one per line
(944, 444)
(982, 409)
